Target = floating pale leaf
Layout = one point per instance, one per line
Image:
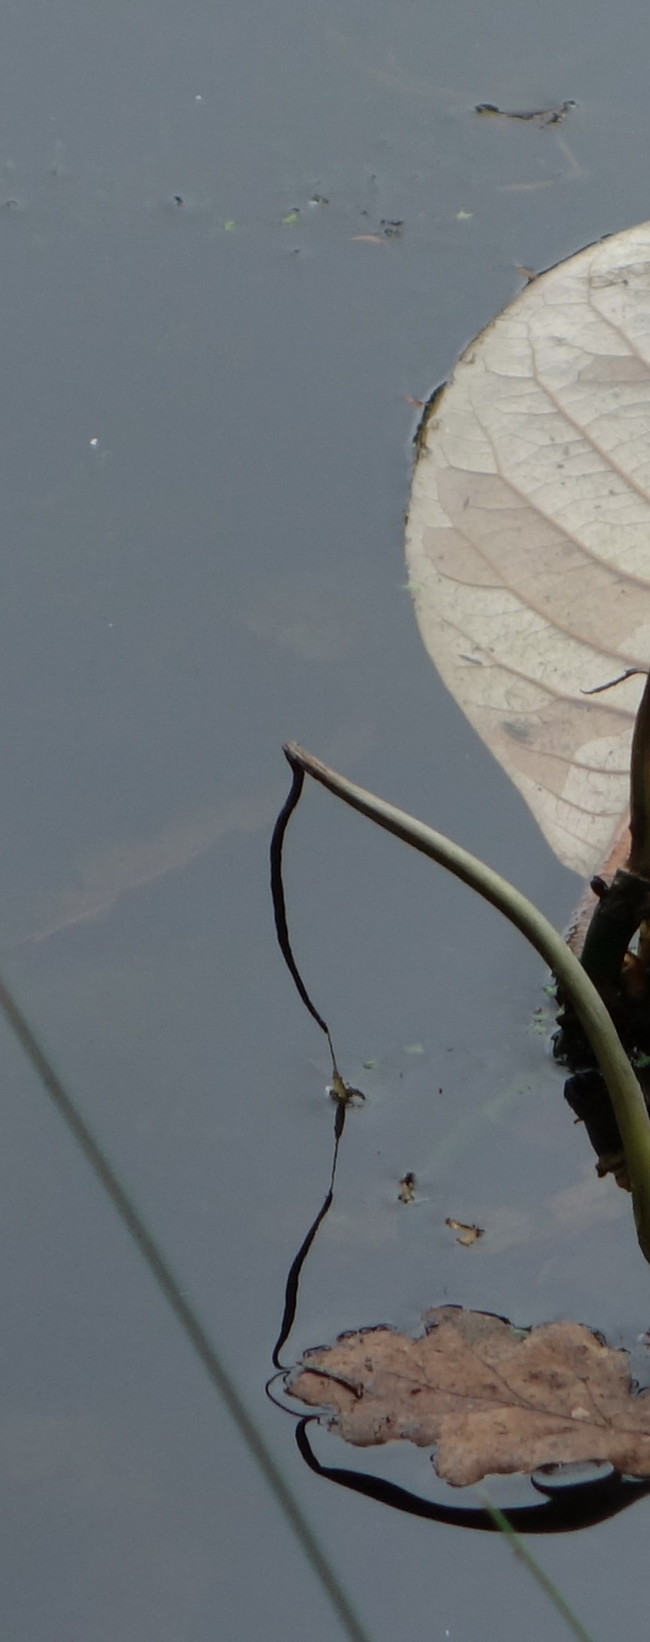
(528, 538)
(490, 1397)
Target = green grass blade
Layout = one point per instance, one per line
(534, 1567)
(172, 1289)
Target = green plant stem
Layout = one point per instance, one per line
(172, 1289)
(623, 1087)
(534, 1567)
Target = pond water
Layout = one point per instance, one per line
(212, 334)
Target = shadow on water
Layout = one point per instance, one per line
(579, 1505)
(575, 1496)
(569, 1505)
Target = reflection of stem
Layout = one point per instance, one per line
(282, 927)
(624, 1090)
(294, 1274)
(575, 168)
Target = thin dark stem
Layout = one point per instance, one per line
(622, 1083)
(279, 903)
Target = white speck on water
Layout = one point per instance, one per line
(198, 98)
(94, 443)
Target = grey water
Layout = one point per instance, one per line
(237, 246)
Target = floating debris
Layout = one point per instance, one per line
(406, 1193)
(467, 1234)
(536, 116)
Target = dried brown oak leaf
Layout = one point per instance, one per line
(489, 1397)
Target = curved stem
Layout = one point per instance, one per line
(623, 1087)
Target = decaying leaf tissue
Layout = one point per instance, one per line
(485, 1396)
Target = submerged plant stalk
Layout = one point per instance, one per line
(623, 1087)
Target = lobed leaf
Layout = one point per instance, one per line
(487, 1396)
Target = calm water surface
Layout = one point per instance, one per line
(210, 348)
